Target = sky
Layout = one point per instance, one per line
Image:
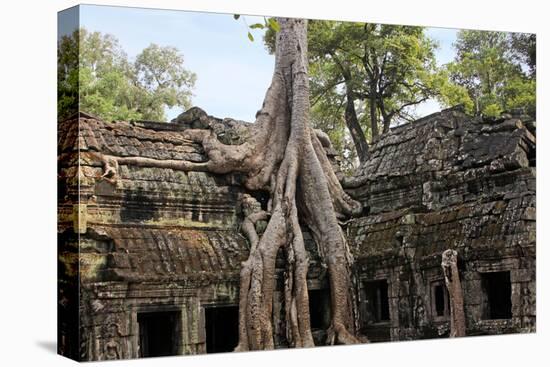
(233, 73)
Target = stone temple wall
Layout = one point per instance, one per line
(153, 242)
(448, 181)
(155, 254)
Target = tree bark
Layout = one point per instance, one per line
(304, 183)
(350, 116)
(373, 104)
(386, 117)
(355, 130)
(452, 281)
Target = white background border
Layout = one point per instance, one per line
(28, 181)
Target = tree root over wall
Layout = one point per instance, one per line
(284, 155)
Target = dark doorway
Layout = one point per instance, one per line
(222, 328)
(159, 333)
(440, 300)
(497, 295)
(319, 308)
(377, 302)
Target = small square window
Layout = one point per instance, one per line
(377, 301)
(497, 295)
(440, 300)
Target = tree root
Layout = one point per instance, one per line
(285, 156)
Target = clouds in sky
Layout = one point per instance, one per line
(233, 73)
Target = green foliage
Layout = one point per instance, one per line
(493, 72)
(329, 118)
(95, 72)
(391, 68)
(524, 50)
(452, 94)
(273, 24)
(67, 76)
(496, 69)
(270, 25)
(162, 81)
(269, 40)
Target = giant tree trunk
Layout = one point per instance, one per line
(284, 155)
(302, 185)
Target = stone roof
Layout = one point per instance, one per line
(121, 138)
(447, 181)
(428, 163)
(157, 253)
(152, 224)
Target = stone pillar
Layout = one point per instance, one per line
(456, 297)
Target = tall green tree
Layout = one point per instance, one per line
(96, 76)
(67, 75)
(497, 69)
(162, 81)
(524, 50)
(105, 85)
(380, 71)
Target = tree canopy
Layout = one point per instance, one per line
(364, 77)
(367, 77)
(497, 70)
(95, 72)
(378, 71)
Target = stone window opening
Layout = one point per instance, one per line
(377, 301)
(159, 333)
(440, 300)
(532, 157)
(222, 328)
(496, 295)
(319, 308)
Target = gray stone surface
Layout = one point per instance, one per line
(449, 181)
(160, 240)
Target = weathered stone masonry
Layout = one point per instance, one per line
(449, 181)
(149, 258)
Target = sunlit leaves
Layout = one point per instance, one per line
(348, 55)
(112, 87)
(270, 25)
(496, 70)
(273, 24)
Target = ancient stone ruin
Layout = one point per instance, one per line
(149, 258)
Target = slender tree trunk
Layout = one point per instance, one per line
(355, 130)
(386, 124)
(452, 280)
(350, 116)
(386, 118)
(373, 99)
